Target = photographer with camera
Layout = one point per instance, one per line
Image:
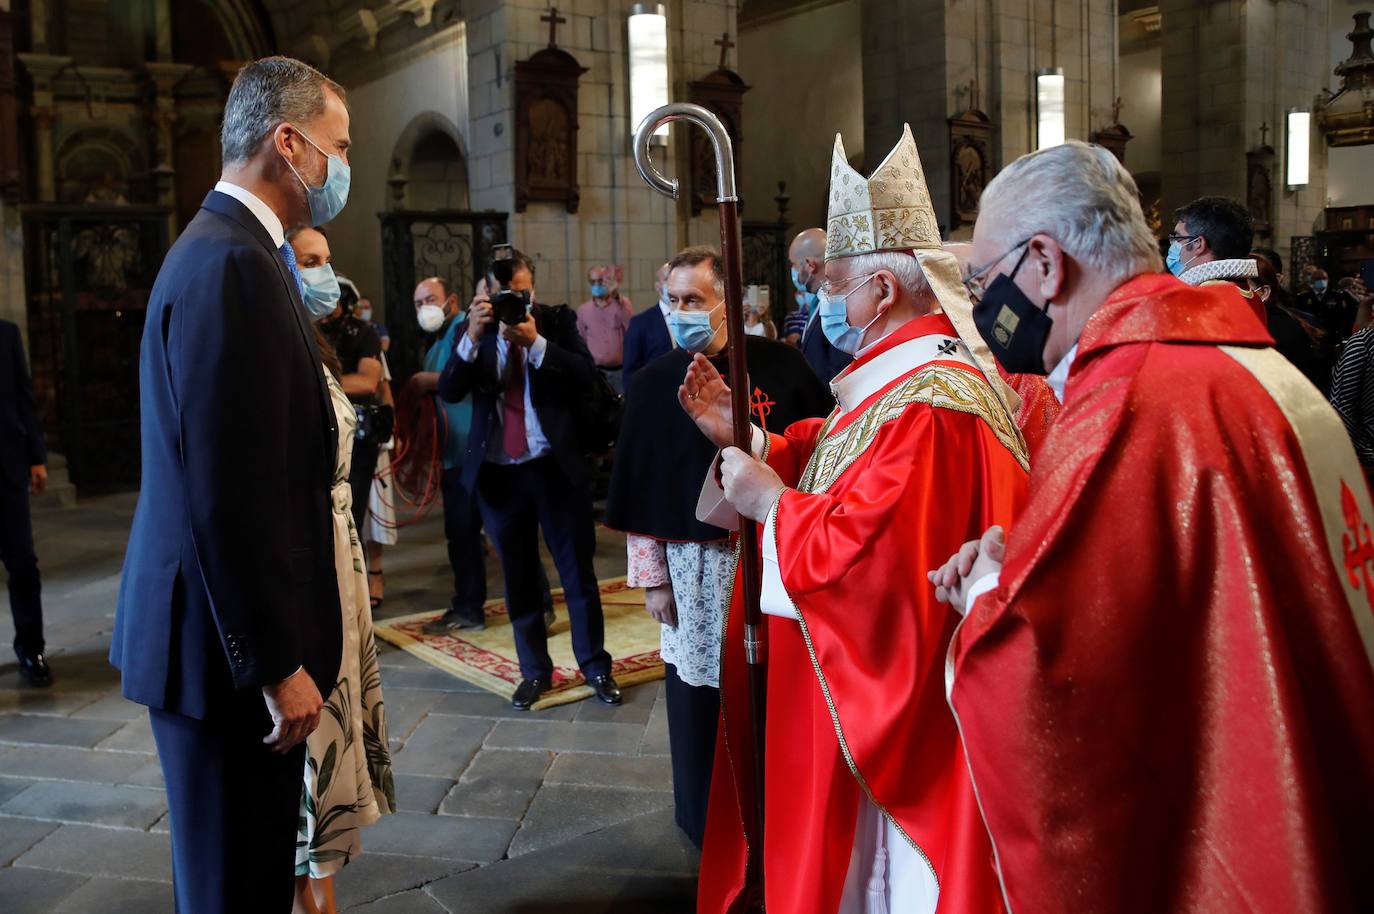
(528, 371)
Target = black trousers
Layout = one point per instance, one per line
(463, 529)
(360, 474)
(233, 805)
(693, 714)
(16, 552)
(517, 502)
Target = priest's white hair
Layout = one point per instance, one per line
(899, 263)
(1080, 196)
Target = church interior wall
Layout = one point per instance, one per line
(806, 71)
(1348, 168)
(431, 84)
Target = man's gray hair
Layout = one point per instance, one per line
(266, 93)
(900, 264)
(1080, 196)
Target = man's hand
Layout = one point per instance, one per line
(480, 314)
(706, 399)
(661, 605)
(750, 485)
(521, 334)
(974, 559)
(294, 704)
(38, 479)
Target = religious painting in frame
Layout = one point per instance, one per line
(546, 129)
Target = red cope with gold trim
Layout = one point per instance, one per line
(1168, 702)
(867, 660)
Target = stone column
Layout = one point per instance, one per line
(44, 69)
(1228, 67)
(165, 77)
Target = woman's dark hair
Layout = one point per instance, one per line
(327, 353)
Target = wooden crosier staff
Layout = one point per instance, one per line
(728, 201)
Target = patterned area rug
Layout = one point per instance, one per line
(487, 658)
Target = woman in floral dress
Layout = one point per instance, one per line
(348, 780)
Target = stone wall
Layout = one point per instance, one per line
(619, 219)
(13, 306)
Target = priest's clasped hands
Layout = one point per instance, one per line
(974, 560)
(750, 485)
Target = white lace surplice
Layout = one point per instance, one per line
(700, 577)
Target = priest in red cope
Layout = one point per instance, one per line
(1165, 681)
(868, 805)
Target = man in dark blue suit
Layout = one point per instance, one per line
(228, 626)
(807, 255)
(531, 472)
(647, 337)
(23, 470)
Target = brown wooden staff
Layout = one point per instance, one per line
(752, 578)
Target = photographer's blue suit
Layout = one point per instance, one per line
(229, 581)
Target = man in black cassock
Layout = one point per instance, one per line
(683, 563)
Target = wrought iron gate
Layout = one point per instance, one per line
(451, 244)
(88, 271)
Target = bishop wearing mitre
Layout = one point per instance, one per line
(868, 806)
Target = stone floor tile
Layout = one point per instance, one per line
(561, 812)
(651, 843)
(10, 786)
(93, 851)
(654, 772)
(374, 875)
(565, 736)
(495, 798)
(429, 678)
(655, 741)
(93, 804)
(149, 774)
(59, 700)
(54, 731)
(489, 704)
(405, 708)
(113, 706)
(444, 837)
(24, 891)
(638, 704)
(118, 896)
(135, 736)
(412, 902)
(18, 835)
(441, 746)
(421, 793)
(512, 763)
(70, 764)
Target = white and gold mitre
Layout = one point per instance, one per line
(891, 211)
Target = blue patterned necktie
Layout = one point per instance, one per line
(289, 256)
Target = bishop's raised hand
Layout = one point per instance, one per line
(705, 397)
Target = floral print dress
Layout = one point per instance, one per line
(348, 780)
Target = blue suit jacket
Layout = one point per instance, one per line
(566, 375)
(21, 435)
(646, 339)
(229, 579)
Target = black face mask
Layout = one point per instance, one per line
(1013, 326)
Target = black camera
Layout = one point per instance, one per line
(510, 307)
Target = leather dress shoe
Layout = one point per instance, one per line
(35, 670)
(453, 622)
(606, 689)
(528, 692)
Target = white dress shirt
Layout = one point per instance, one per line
(538, 445)
(255, 206)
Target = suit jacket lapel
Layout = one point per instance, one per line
(226, 205)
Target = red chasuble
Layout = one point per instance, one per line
(1168, 701)
(881, 492)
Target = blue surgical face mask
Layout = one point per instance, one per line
(797, 280)
(1175, 259)
(692, 330)
(1319, 286)
(328, 200)
(835, 320)
(598, 290)
(319, 291)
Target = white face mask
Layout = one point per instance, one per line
(430, 317)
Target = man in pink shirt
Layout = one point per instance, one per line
(603, 319)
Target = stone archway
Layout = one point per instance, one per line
(429, 165)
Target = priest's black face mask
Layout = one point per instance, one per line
(1014, 327)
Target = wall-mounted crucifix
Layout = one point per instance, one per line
(554, 20)
(1264, 134)
(725, 44)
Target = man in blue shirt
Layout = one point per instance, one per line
(438, 312)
